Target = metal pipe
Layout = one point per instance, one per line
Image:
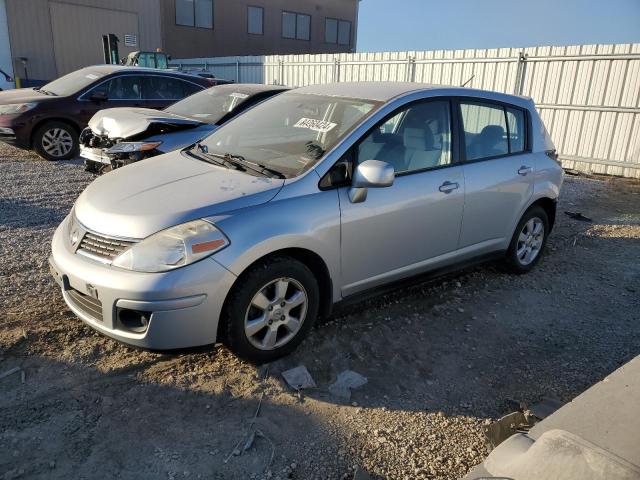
(589, 108)
(584, 58)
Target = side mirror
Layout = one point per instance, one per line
(98, 96)
(370, 174)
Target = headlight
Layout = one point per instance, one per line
(130, 147)
(74, 230)
(15, 108)
(173, 248)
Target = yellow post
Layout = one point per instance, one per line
(17, 79)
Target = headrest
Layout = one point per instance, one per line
(376, 135)
(492, 134)
(418, 138)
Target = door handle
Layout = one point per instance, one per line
(523, 170)
(448, 187)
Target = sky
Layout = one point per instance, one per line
(396, 25)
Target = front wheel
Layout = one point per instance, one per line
(56, 141)
(528, 241)
(270, 310)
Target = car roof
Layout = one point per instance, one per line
(108, 69)
(385, 91)
(251, 88)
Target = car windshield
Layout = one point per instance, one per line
(209, 105)
(73, 82)
(290, 132)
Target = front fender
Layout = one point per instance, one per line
(310, 222)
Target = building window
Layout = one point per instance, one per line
(255, 20)
(337, 31)
(194, 13)
(296, 25)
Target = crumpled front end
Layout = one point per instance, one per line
(120, 136)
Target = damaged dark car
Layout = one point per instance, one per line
(119, 136)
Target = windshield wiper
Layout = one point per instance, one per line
(203, 154)
(243, 163)
(264, 169)
(237, 162)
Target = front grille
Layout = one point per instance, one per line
(86, 304)
(103, 247)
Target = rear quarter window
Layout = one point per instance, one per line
(517, 130)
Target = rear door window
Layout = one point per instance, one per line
(485, 130)
(166, 88)
(126, 87)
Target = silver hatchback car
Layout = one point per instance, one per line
(307, 199)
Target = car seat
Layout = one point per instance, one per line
(490, 142)
(420, 150)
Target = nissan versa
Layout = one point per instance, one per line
(307, 199)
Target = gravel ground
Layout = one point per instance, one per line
(443, 358)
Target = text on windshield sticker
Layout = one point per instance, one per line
(315, 125)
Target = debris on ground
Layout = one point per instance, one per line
(578, 216)
(10, 372)
(345, 382)
(299, 378)
(361, 474)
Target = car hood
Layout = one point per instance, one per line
(146, 197)
(126, 122)
(23, 95)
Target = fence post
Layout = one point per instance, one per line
(237, 70)
(336, 69)
(521, 73)
(411, 69)
(281, 70)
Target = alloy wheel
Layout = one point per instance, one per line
(530, 241)
(276, 313)
(57, 142)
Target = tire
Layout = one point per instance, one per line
(527, 244)
(249, 319)
(56, 141)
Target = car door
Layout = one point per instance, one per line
(498, 172)
(405, 228)
(162, 90)
(117, 91)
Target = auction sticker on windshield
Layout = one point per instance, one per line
(239, 95)
(315, 125)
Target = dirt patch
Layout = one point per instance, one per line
(441, 357)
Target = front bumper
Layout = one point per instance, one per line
(12, 131)
(95, 154)
(184, 304)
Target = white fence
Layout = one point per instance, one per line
(588, 95)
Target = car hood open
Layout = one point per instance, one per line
(124, 122)
(146, 197)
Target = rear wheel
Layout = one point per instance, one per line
(528, 241)
(270, 310)
(56, 141)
